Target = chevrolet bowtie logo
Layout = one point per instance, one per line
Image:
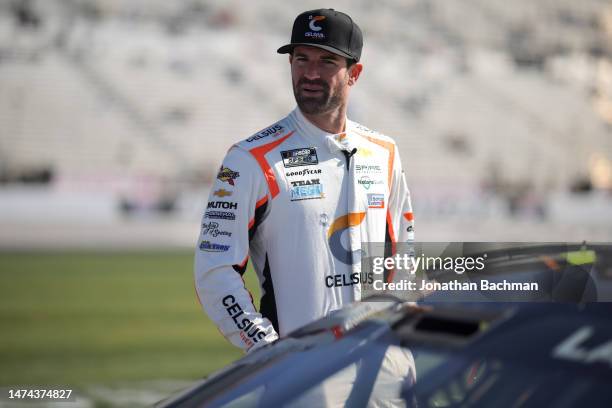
(222, 193)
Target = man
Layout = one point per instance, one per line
(299, 198)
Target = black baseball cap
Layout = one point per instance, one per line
(328, 29)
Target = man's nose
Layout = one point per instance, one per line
(311, 71)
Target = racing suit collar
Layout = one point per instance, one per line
(334, 142)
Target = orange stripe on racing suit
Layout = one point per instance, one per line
(259, 154)
(391, 148)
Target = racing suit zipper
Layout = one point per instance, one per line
(348, 156)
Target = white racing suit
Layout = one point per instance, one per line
(299, 202)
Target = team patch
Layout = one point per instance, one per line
(306, 192)
(227, 175)
(306, 156)
(298, 183)
(376, 200)
(220, 215)
(208, 246)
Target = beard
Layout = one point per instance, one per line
(328, 100)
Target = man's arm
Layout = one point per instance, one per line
(400, 205)
(223, 248)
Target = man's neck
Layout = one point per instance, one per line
(331, 122)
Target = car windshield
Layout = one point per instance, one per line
(443, 381)
(369, 362)
(463, 382)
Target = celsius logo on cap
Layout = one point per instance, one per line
(312, 25)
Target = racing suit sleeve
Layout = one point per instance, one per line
(402, 220)
(400, 206)
(223, 248)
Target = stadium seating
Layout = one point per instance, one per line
(485, 98)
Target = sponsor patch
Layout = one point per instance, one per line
(350, 280)
(342, 139)
(305, 182)
(304, 172)
(367, 130)
(208, 246)
(227, 175)
(364, 152)
(313, 22)
(220, 215)
(368, 168)
(271, 131)
(249, 332)
(212, 229)
(367, 182)
(376, 201)
(222, 193)
(307, 192)
(314, 35)
(226, 205)
(306, 156)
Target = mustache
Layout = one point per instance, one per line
(315, 82)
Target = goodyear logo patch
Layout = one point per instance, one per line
(304, 172)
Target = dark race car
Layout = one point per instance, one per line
(385, 352)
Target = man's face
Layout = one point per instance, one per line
(321, 79)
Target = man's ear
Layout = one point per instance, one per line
(290, 58)
(354, 72)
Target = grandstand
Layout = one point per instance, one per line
(500, 109)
